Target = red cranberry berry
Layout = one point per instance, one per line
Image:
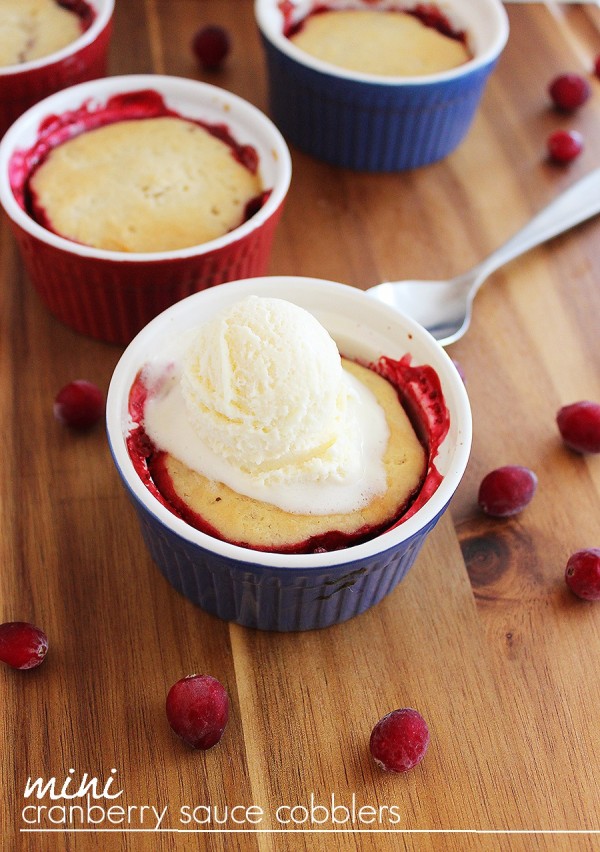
(569, 91)
(198, 710)
(507, 490)
(22, 645)
(399, 740)
(79, 404)
(582, 574)
(210, 46)
(565, 145)
(597, 66)
(579, 426)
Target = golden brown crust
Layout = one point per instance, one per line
(31, 29)
(155, 184)
(389, 44)
(241, 519)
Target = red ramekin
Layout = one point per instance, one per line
(23, 85)
(111, 295)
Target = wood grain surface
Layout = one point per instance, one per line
(482, 637)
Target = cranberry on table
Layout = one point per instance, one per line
(507, 490)
(22, 645)
(210, 46)
(399, 740)
(569, 91)
(79, 404)
(565, 145)
(579, 426)
(197, 710)
(582, 574)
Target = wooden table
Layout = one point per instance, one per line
(482, 637)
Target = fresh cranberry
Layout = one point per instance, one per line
(211, 45)
(399, 740)
(79, 404)
(565, 145)
(597, 66)
(198, 710)
(582, 574)
(579, 426)
(569, 91)
(22, 645)
(507, 490)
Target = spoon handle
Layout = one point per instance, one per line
(576, 204)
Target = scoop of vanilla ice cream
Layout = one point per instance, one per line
(258, 399)
(264, 388)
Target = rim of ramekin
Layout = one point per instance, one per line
(102, 88)
(132, 359)
(104, 10)
(263, 8)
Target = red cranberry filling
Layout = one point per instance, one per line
(420, 393)
(80, 8)
(147, 103)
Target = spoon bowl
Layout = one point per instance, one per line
(444, 307)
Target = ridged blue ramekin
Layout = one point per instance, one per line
(370, 123)
(286, 592)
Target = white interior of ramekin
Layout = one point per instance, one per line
(485, 22)
(103, 9)
(191, 99)
(363, 328)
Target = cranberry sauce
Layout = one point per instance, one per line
(146, 103)
(429, 14)
(83, 10)
(421, 395)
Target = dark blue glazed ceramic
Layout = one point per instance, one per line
(272, 591)
(370, 123)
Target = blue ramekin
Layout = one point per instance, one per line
(285, 592)
(370, 123)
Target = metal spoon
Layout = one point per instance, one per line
(444, 307)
